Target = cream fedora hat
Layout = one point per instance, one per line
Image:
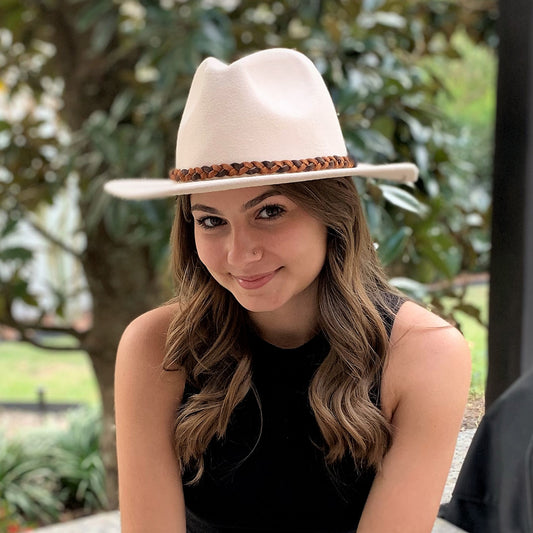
(267, 118)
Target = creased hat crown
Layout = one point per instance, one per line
(272, 105)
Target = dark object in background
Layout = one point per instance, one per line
(511, 262)
(494, 491)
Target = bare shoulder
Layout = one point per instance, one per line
(426, 353)
(146, 400)
(147, 333)
(424, 392)
(141, 353)
(419, 333)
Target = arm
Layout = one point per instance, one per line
(146, 399)
(425, 388)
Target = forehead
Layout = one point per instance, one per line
(234, 197)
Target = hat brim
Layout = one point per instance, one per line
(150, 188)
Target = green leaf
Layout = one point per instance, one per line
(12, 15)
(94, 11)
(9, 227)
(421, 157)
(441, 259)
(374, 216)
(103, 33)
(16, 253)
(121, 105)
(411, 287)
(30, 300)
(394, 245)
(402, 199)
(419, 132)
(470, 310)
(376, 143)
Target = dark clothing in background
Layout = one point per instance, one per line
(494, 491)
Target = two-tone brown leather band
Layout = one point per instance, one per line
(261, 167)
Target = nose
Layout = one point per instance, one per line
(244, 247)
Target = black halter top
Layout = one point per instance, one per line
(269, 472)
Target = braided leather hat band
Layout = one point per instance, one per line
(249, 168)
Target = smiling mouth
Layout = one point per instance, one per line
(255, 282)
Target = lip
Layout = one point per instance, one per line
(257, 281)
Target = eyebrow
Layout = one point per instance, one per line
(248, 205)
(258, 199)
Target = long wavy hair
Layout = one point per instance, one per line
(207, 339)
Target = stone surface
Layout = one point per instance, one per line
(441, 526)
(98, 523)
(463, 443)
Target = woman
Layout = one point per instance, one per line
(287, 387)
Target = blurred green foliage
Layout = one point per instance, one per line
(119, 88)
(26, 483)
(94, 90)
(44, 472)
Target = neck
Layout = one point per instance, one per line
(288, 327)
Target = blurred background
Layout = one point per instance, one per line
(94, 90)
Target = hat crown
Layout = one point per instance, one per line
(271, 105)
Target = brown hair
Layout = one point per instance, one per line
(208, 338)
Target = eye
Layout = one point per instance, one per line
(209, 222)
(270, 212)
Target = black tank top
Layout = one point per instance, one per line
(268, 473)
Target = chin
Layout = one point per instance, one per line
(259, 304)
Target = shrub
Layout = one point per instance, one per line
(28, 484)
(78, 464)
(48, 471)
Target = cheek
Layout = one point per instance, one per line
(320, 249)
(307, 247)
(206, 251)
(312, 242)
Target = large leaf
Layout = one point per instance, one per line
(103, 32)
(16, 253)
(413, 288)
(393, 245)
(92, 13)
(402, 199)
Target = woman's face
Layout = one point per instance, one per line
(261, 246)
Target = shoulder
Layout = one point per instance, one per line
(149, 331)
(420, 335)
(142, 350)
(146, 400)
(146, 395)
(415, 323)
(426, 354)
(424, 392)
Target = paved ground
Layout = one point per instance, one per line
(110, 522)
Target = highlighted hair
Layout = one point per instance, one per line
(208, 338)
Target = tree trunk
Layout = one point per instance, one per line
(115, 275)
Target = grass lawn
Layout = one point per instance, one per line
(65, 376)
(68, 376)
